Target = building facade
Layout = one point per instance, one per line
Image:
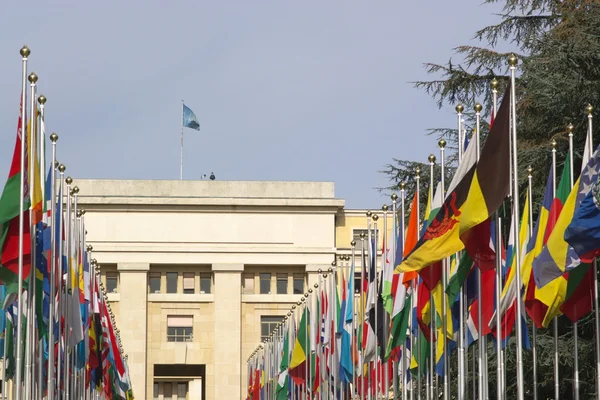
(199, 272)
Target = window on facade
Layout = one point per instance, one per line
(111, 282)
(155, 391)
(356, 237)
(182, 389)
(248, 284)
(188, 283)
(172, 282)
(167, 390)
(265, 283)
(267, 324)
(282, 283)
(154, 282)
(298, 284)
(205, 283)
(179, 328)
(357, 283)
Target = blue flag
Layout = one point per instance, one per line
(189, 119)
(583, 232)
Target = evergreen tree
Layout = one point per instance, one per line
(558, 46)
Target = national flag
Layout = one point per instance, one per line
(476, 197)
(189, 119)
(9, 218)
(298, 361)
(558, 257)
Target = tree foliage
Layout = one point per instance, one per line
(558, 46)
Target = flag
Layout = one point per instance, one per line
(474, 199)
(189, 119)
(9, 219)
(299, 352)
(558, 257)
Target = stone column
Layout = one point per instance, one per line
(133, 323)
(228, 331)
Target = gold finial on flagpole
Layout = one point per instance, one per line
(25, 52)
(54, 138)
(431, 158)
(316, 285)
(90, 247)
(529, 171)
(69, 180)
(369, 213)
(310, 290)
(478, 107)
(589, 109)
(75, 190)
(330, 270)
(33, 78)
(402, 185)
(418, 173)
(494, 84)
(442, 143)
(353, 243)
(459, 109)
(570, 129)
(62, 168)
(394, 197)
(42, 99)
(375, 217)
(553, 143)
(512, 60)
(384, 207)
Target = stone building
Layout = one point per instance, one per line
(198, 272)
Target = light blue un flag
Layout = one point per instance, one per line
(189, 119)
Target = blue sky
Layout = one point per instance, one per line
(308, 91)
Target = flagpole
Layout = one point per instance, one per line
(30, 333)
(442, 145)
(405, 368)
(481, 346)
(512, 61)
(181, 170)
(555, 321)
(385, 316)
(61, 301)
(430, 394)
(375, 217)
(394, 244)
(533, 347)
(361, 325)
(353, 335)
(575, 338)
(17, 383)
(461, 303)
(589, 110)
(401, 233)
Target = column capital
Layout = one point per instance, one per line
(138, 267)
(227, 267)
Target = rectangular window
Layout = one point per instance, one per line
(267, 324)
(248, 284)
(188, 282)
(172, 282)
(265, 283)
(154, 282)
(282, 283)
(167, 390)
(298, 284)
(179, 328)
(111, 282)
(182, 389)
(357, 283)
(205, 283)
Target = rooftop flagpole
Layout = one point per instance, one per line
(181, 171)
